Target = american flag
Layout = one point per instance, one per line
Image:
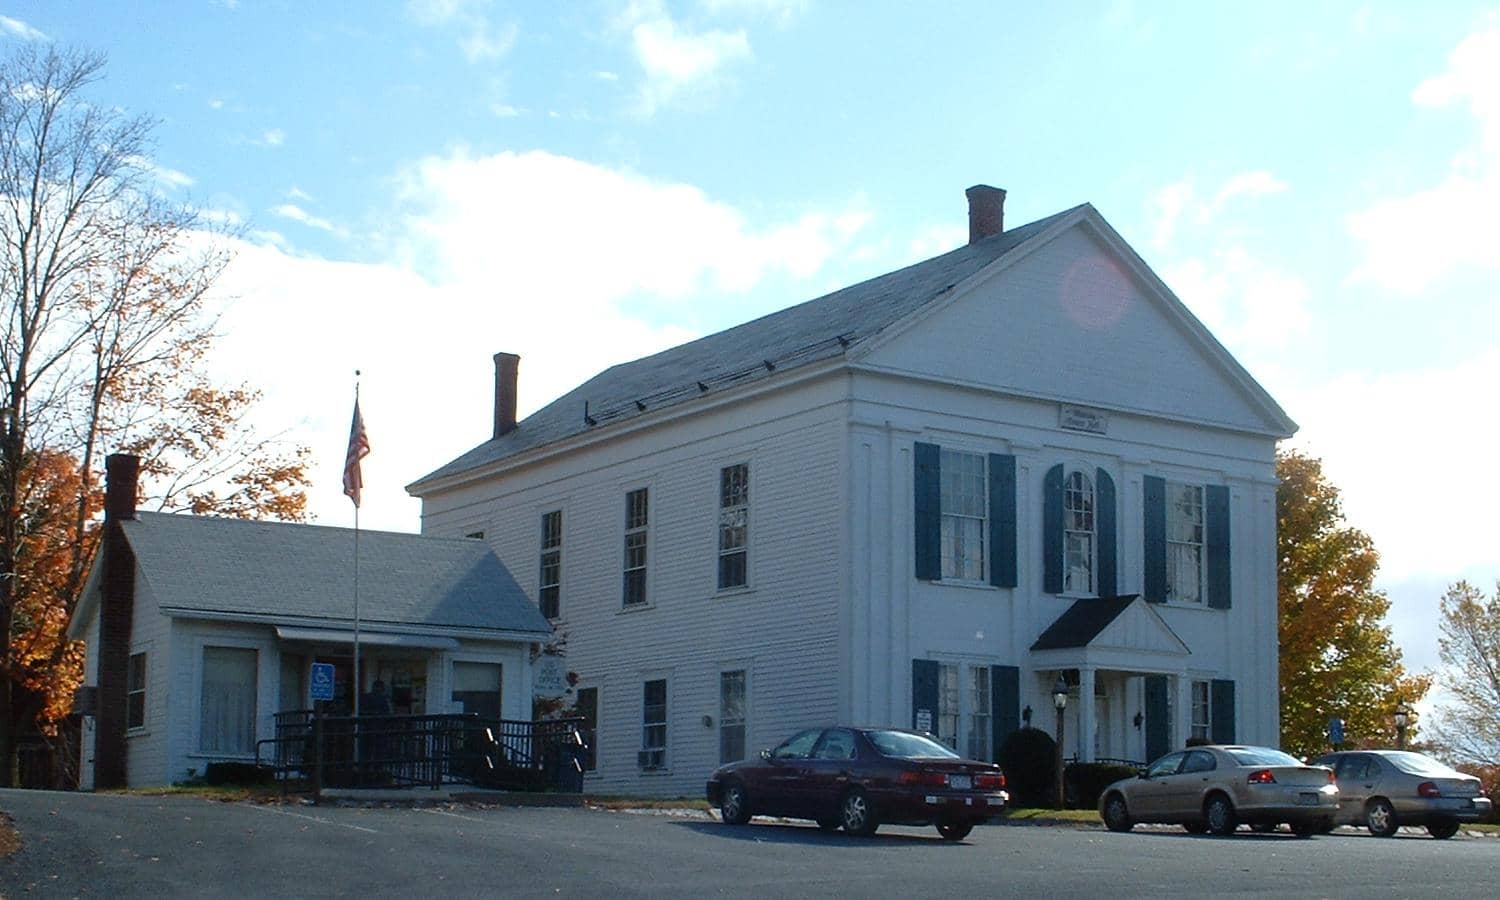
(359, 448)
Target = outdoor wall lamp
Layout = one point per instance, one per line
(1401, 716)
(1060, 700)
(1026, 715)
(1138, 719)
(708, 721)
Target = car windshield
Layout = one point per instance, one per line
(1262, 756)
(1418, 764)
(905, 745)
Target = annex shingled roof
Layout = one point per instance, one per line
(304, 574)
(816, 330)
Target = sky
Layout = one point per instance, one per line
(416, 186)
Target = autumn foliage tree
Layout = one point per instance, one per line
(104, 331)
(1337, 658)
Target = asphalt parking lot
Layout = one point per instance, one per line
(178, 845)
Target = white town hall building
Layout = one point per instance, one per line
(915, 501)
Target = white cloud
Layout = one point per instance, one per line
(480, 39)
(272, 138)
(298, 214)
(677, 61)
(780, 12)
(532, 253)
(607, 76)
(169, 177)
(296, 193)
(215, 103)
(938, 239)
(1180, 201)
(1407, 451)
(18, 29)
(1411, 241)
(504, 110)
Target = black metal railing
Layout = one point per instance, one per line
(312, 752)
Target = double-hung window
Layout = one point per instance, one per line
(227, 713)
(948, 705)
(734, 525)
(731, 716)
(653, 753)
(637, 509)
(1184, 542)
(135, 691)
(964, 503)
(980, 719)
(1078, 534)
(1202, 711)
(549, 583)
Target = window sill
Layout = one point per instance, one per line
(734, 591)
(138, 731)
(216, 757)
(656, 773)
(966, 583)
(628, 608)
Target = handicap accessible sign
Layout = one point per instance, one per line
(321, 684)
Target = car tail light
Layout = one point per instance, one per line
(1331, 778)
(994, 782)
(1264, 776)
(932, 779)
(1428, 789)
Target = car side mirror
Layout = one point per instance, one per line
(765, 755)
(1143, 774)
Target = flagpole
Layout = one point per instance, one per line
(357, 683)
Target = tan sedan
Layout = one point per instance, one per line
(1385, 789)
(1217, 788)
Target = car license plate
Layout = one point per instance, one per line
(1307, 799)
(960, 782)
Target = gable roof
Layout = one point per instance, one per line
(817, 330)
(303, 574)
(1101, 625)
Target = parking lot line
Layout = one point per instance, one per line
(318, 819)
(451, 815)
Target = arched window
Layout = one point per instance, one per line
(1079, 532)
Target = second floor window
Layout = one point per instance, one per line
(1184, 542)
(636, 521)
(964, 499)
(1078, 534)
(734, 525)
(549, 584)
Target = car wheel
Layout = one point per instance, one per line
(954, 831)
(1265, 827)
(734, 807)
(1219, 813)
(856, 815)
(1380, 818)
(1443, 830)
(1195, 827)
(829, 825)
(1117, 814)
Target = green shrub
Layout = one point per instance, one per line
(1029, 759)
(1084, 782)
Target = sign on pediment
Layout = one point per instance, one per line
(1081, 418)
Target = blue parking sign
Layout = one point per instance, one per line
(320, 685)
(1335, 731)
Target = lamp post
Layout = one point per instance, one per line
(1401, 716)
(1060, 700)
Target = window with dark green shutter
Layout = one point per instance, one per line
(1222, 710)
(1106, 524)
(1158, 717)
(1052, 530)
(1006, 697)
(1003, 569)
(924, 694)
(927, 509)
(1154, 532)
(1216, 509)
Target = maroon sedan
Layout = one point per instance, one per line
(859, 778)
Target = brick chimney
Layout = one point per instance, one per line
(116, 613)
(986, 211)
(506, 366)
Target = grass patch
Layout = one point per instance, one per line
(223, 793)
(1053, 815)
(10, 839)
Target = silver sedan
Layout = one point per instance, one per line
(1385, 789)
(1217, 788)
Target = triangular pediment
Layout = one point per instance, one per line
(1076, 316)
(1110, 632)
